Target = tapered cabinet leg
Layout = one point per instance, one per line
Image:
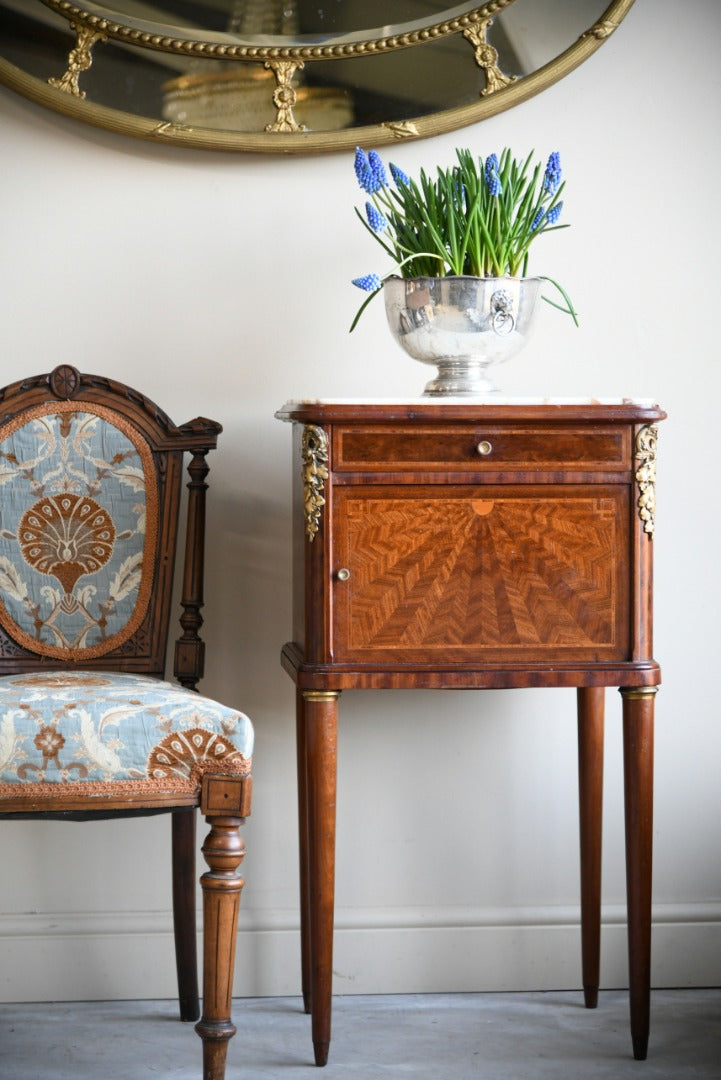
(305, 948)
(186, 952)
(223, 800)
(320, 720)
(638, 720)
(590, 791)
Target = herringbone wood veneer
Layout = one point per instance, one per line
(481, 570)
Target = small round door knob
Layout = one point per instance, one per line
(484, 448)
(343, 574)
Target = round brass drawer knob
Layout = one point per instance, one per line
(484, 448)
(343, 574)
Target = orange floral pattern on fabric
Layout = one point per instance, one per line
(180, 754)
(66, 536)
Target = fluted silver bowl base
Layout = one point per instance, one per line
(462, 325)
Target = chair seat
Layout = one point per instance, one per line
(88, 736)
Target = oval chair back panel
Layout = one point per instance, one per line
(78, 530)
(89, 494)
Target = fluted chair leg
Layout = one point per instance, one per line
(224, 801)
(184, 917)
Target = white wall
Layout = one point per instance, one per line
(220, 285)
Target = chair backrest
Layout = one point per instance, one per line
(90, 484)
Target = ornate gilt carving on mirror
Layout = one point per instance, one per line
(291, 76)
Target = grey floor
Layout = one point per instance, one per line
(523, 1036)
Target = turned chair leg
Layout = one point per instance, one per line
(225, 803)
(184, 919)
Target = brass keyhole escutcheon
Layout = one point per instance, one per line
(343, 574)
(484, 448)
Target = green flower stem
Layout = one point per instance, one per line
(362, 308)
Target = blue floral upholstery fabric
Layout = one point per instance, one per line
(78, 527)
(95, 731)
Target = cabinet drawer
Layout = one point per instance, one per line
(478, 446)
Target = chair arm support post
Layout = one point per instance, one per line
(189, 648)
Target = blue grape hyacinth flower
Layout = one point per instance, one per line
(493, 180)
(360, 164)
(538, 218)
(552, 175)
(378, 170)
(368, 283)
(554, 213)
(376, 220)
(400, 178)
(365, 174)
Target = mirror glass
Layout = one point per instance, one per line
(291, 75)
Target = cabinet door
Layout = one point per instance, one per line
(471, 575)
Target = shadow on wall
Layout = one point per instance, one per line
(248, 598)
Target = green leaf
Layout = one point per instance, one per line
(569, 308)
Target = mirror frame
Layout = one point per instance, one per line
(70, 103)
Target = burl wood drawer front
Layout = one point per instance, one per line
(469, 575)
(479, 446)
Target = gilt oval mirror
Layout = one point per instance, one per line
(289, 75)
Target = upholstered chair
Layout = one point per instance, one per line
(91, 474)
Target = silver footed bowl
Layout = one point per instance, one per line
(463, 325)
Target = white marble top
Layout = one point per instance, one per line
(467, 399)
